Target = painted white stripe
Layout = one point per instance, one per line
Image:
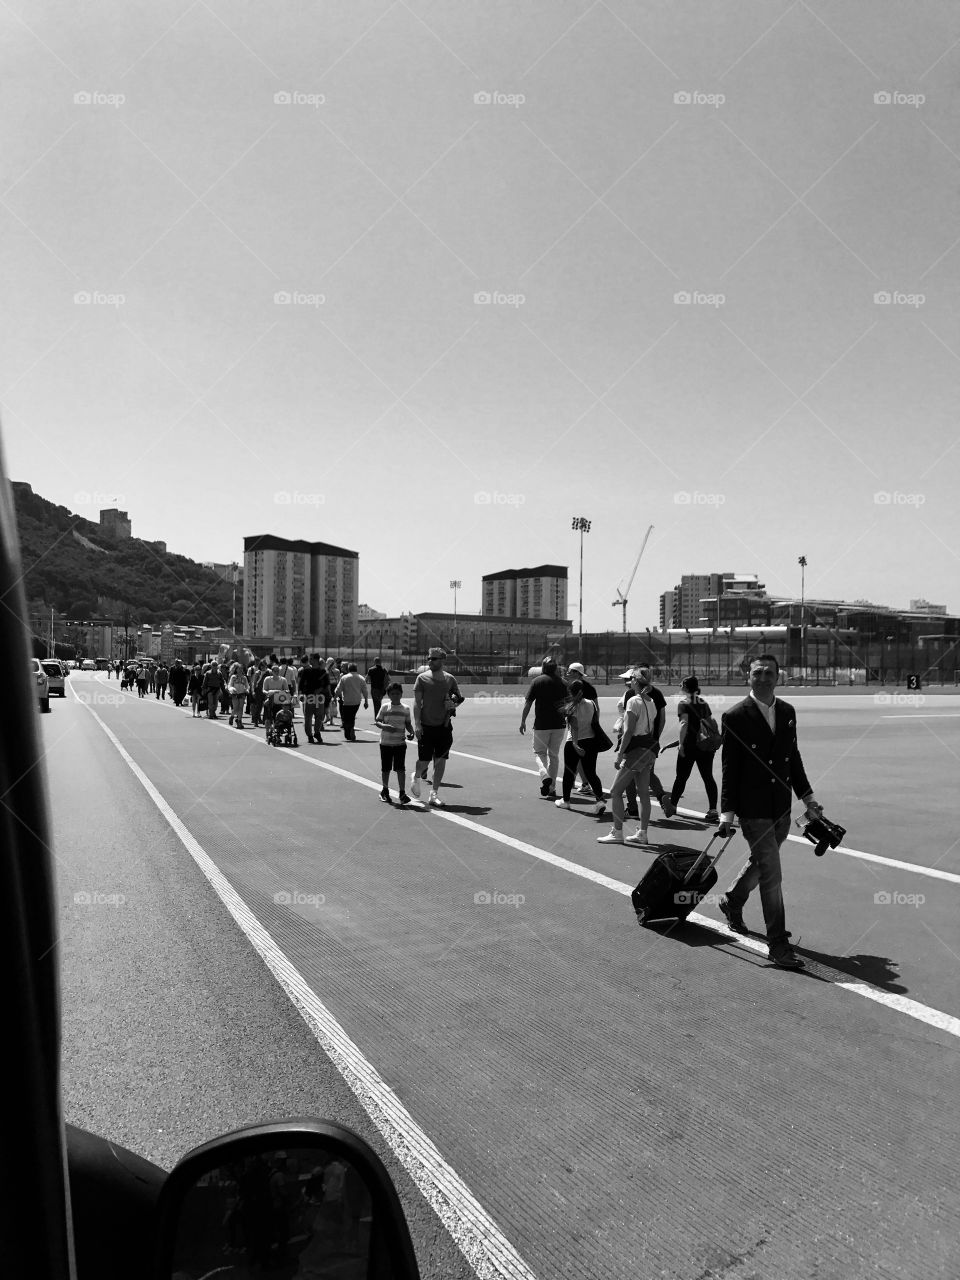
(916, 868)
(920, 715)
(483, 1244)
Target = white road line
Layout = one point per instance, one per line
(481, 1241)
(916, 868)
(913, 1008)
(920, 715)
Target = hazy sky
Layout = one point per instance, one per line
(171, 172)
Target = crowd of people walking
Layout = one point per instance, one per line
(568, 738)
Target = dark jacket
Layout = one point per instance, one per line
(212, 681)
(761, 771)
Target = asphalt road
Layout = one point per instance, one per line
(619, 1102)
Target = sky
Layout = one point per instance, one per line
(428, 280)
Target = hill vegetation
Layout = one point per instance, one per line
(72, 566)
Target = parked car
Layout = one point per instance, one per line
(88, 664)
(55, 680)
(41, 682)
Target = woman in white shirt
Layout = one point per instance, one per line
(238, 686)
(580, 748)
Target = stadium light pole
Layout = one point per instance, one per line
(802, 562)
(455, 584)
(583, 525)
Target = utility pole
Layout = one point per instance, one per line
(583, 525)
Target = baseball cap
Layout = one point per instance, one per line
(576, 669)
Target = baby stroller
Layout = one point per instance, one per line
(279, 723)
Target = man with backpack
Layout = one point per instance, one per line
(699, 742)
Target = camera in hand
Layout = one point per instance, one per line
(823, 834)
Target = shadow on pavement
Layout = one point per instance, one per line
(474, 810)
(878, 971)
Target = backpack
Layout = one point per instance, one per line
(709, 736)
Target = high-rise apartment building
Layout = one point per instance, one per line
(540, 592)
(298, 588)
(709, 599)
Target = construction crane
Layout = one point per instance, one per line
(621, 599)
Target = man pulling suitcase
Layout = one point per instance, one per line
(761, 771)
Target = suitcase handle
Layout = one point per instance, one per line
(697, 868)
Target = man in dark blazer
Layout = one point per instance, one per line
(761, 772)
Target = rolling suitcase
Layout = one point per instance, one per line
(676, 882)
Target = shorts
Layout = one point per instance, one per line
(435, 742)
(393, 756)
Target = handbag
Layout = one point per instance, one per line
(599, 737)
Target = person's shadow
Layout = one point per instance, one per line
(879, 971)
(474, 810)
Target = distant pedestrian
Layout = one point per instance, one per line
(351, 690)
(223, 666)
(212, 689)
(237, 687)
(581, 747)
(162, 678)
(276, 694)
(333, 675)
(694, 711)
(546, 695)
(396, 729)
(377, 678)
(142, 677)
(256, 708)
(314, 687)
(179, 678)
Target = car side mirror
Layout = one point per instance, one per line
(301, 1199)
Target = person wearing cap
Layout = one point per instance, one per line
(655, 786)
(636, 752)
(546, 695)
(436, 696)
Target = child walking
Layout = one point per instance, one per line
(396, 729)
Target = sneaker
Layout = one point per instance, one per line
(667, 805)
(639, 837)
(435, 800)
(612, 837)
(404, 798)
(784, 956)
(584, 790)
(230, 721)
(385, 796)
(711, 816)
(600, 809)
(545, 785)
(552, 793)
(733, 914)
(310, 737)
(562, 804)
(415, 787)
